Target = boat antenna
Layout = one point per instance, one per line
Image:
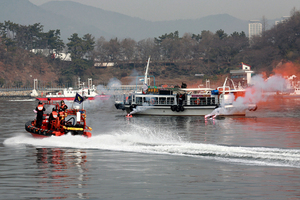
(146, 73)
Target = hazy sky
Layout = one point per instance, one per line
(157, 10)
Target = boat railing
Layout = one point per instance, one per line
(202, 101)
(205, 101)
(155, 102)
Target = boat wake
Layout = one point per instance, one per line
(166, 143)
(140, 109)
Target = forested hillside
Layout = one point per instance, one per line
(174, 58)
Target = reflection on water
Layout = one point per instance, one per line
(61, 169)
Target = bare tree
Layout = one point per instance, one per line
(100, 51)
(265, 25)
(113, 49)
(128, 48)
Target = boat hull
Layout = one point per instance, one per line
(189, 110)
(37, 132)
(167, 111)
(43, 132)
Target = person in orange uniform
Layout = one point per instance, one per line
(39, 116)
(52, 117)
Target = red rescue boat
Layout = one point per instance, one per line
(69, 121)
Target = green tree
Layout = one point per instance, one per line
(75, 47)
(169, 45)
(88, 43)
(81, 48)
(81, 51)
(53, 41)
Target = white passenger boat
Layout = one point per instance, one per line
(166, 102)
(183, 101)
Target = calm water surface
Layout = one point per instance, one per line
(253, 157)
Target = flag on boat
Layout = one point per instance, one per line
(78, 99)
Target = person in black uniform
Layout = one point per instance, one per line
(63, 106)
(39, 116)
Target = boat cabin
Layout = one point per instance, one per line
(173, 99)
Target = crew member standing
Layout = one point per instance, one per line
(180, 99)
(52, 117)
(39, 116)
(63, 106)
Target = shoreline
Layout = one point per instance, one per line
(20, 94)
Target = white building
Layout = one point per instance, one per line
(242, 76)
(47, 52)
(254, 28)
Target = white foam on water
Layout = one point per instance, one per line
(151, 141)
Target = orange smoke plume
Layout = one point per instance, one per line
(288, 69)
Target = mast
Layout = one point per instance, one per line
(146, 73)
(79, 85)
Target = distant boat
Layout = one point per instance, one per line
(68, 94)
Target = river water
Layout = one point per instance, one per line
(252, 157)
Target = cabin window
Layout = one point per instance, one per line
(129, 99)
(209, 101)
(153, 101)
(162, 100)
(202, 101)
(139, 100)
(146, 100)
(199, 101)
(170, 100)
(213, 100)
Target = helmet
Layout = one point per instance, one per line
(40, 102)
(62, 101)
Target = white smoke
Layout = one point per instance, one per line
(144, 106)
(260, 91)
(139, 109)
(134, 74)
(112, 87)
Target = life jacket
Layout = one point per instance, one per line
(54, 114)
(61, 114)
(40, 107)
(63, 107)
(57, 123)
